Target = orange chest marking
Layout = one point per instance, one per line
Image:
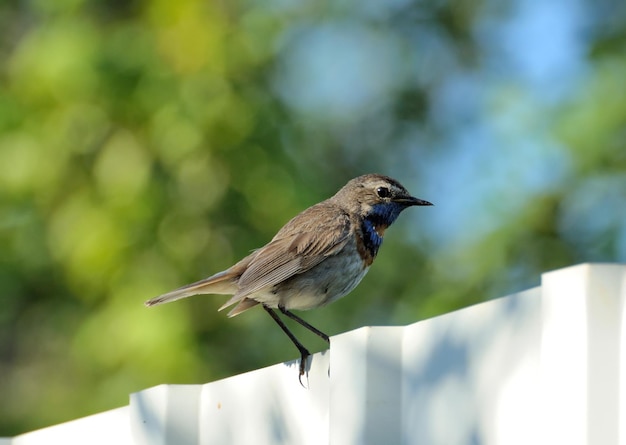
(366, 254)
(369, 239)
(380, 229)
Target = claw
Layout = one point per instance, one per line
(303, 358)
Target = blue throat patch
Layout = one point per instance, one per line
(371, 238)
(382, 215)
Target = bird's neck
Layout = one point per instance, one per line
(372, 238)
(383, 215)
(374, 224)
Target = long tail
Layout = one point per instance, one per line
(220, 283)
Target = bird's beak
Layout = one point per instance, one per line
(411, 201)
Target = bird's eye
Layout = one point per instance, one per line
(383, 192)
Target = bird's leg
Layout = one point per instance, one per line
(304, 353)
(304, 323)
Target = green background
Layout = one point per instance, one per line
(148, 144)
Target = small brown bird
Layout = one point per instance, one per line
(316, 258)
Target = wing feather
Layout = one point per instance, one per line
(300, 245)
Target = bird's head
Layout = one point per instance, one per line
(377, 197)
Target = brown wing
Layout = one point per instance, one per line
(304, 242)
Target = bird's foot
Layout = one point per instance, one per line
(304, 355)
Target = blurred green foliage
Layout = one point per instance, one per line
(148, 144)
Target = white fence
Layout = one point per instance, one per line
(544, 366)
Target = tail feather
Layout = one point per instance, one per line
(220, 283)
(243, 305)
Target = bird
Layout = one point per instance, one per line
(319, 256)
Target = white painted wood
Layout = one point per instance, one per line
(109, 427)
(165, 414)
(544, 366)
(267, 406)
(471, 377)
